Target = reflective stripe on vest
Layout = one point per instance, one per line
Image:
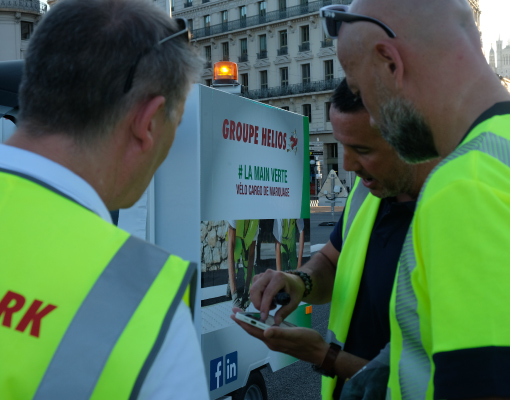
(115, 297)
(359, 217)
(411, 367)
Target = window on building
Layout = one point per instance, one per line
(263, 79)
(244, 80)
(244, 50)
(262, 47)
(284, 76)
(282, 5)
(208, 82)
(190, 25)
(332, 150)
(285, 108)
(262, 8)
(262, 43)
(242, 12)
(326, 41)
(328, 70)
(207, 21)
(305, 73)
(283, 39)
(244, 46)
(172, 4)
(327, 106)
(26, 30)
(307, 111)
(207, 50)
(224, 17)
(225, 50)
(305, 34)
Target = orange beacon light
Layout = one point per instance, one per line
(225, 77)
(225, 70)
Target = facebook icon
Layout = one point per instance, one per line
(216, 373)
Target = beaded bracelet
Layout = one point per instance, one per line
(307, 280)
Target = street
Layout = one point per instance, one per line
(299, 381)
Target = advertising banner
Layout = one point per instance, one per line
(252, 160)
(255, 204)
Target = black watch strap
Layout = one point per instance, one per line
(327, 368)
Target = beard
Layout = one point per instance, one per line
(405, 129)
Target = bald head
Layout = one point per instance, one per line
(433, 70)
(421, 20)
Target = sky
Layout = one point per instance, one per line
(495, 22)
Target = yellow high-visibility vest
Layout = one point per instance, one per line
(451, 293)
(84, 307)
(359, 217)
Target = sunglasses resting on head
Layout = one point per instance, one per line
(333, 16)
(182, 33)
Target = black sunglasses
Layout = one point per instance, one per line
(333, 16)
(183, 33)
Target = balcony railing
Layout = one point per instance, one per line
(243, 58)
(295, 89)
(327, 43)
(205, 1)
(31, 6)
(272, 16)
(262, 55)
(283, 51)
(304, 47)
(188, 4)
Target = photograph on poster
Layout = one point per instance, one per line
(234, 251)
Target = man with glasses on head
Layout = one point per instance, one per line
(355, 270)
(89, 311)
(450, 333)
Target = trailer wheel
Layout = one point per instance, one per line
(255, 388)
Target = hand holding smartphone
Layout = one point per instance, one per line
(253, 318)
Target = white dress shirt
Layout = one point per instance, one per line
(178, 371)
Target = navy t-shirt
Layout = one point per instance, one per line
(369, 330)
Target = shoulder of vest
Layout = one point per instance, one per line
(469, 162)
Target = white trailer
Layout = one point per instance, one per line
(232, 159)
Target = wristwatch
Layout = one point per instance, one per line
(327, 368)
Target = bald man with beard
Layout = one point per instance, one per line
(420, 71)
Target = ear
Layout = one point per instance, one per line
(389, 59)
(147, 119)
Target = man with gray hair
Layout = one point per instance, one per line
(88, 310)
(420, 71)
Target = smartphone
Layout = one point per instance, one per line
(253, 318)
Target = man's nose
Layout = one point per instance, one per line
(350, 160)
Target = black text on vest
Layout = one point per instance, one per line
(13, 302)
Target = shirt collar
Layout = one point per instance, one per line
(55, 175)
(501, 108)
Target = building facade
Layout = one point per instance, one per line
(283, 56)
(18, 19)
(503, 59)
